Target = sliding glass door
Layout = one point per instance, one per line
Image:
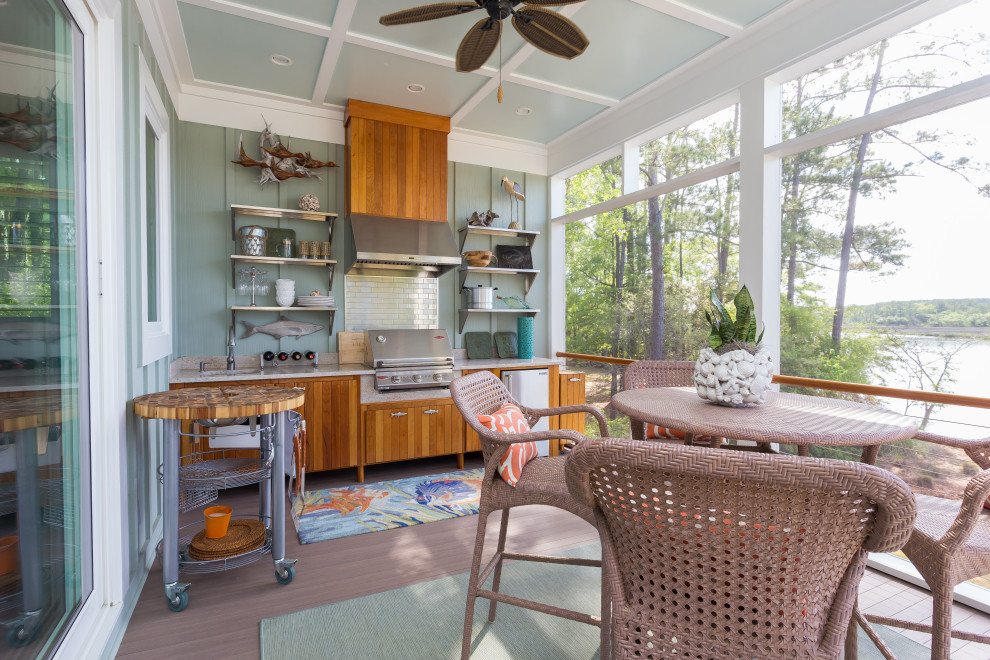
(45, 562)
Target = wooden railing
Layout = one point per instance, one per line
(836, 386)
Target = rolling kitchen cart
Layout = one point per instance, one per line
(23, 416)
(194, 484)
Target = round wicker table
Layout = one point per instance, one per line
(24, 416)
(202, 403)
(794, 419)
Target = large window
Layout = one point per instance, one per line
(883, 234)
(638, 276)
(45, 563)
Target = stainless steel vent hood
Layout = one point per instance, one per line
(402, 247)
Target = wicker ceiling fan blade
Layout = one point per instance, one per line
(478, 44)
(428, 12)
(551, 3)
(550, 32)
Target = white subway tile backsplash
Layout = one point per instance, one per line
(390, 302)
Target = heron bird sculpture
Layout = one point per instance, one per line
(515, 193)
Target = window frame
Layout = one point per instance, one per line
(156, 336)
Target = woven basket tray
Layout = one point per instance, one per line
(242, 536)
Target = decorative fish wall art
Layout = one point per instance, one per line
(283, 327)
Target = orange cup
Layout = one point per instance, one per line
(8, 554)
(217, 520)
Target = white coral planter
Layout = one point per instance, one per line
(737, 378)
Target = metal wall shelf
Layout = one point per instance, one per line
(529, 273)
(464, 313)
(529, 236)
(282, 214)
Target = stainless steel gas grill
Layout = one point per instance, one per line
(408, 359)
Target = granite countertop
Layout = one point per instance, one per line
(186, 370)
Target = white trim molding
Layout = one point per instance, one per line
(156, 335)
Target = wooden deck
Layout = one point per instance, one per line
(224, 609)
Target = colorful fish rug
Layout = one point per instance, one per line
(321, 515)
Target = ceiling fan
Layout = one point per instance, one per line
(545, 29)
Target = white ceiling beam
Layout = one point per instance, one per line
(508, 68)
(411, 53)
(450, 63)
(263, 16)
(554, 88)
(692, 15)
(341, 21)
(165, 16)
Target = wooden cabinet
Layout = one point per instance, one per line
(572, 393)
(396, 162)
(412, 429)
(331, 413)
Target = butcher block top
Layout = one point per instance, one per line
(218, 402)
(34, 411)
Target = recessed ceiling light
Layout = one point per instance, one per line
(281, 60)
(524, 111)
(415, 88)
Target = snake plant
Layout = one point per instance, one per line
(728, 330)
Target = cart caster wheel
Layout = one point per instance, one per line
(183, 600)
(290, 573)
(18, 637)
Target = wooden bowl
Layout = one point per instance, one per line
(479, 258)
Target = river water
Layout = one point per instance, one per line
(969, 374)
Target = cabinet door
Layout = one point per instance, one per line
(440, 429)
(389, 434)
(572, 393)
(331, 414)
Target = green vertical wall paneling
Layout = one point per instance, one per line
(202, 231)
(536, 213)
(202, 219)
(141, 452)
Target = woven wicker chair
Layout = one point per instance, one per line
(655, 373)
(949, 545)
(541, 482)
(708, 553)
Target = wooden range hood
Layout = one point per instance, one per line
(396, 162)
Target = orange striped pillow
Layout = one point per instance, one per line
(509, 419)
(664, 433)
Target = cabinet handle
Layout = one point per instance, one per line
(399, 414)
(574, 380)
(431, 412)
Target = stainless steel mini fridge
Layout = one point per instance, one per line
(531, 387)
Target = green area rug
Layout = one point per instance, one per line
(423, 622)
(331, 513)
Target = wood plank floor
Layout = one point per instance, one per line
(225, 609)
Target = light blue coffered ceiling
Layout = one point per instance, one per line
(340, 51)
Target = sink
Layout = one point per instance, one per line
(230, 372)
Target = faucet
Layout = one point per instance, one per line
(230, 349)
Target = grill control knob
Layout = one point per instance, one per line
(417, 378)
(438, 377)
(395, 379)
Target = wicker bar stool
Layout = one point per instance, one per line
(541, 482)
(717, 554)
(949, 545)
